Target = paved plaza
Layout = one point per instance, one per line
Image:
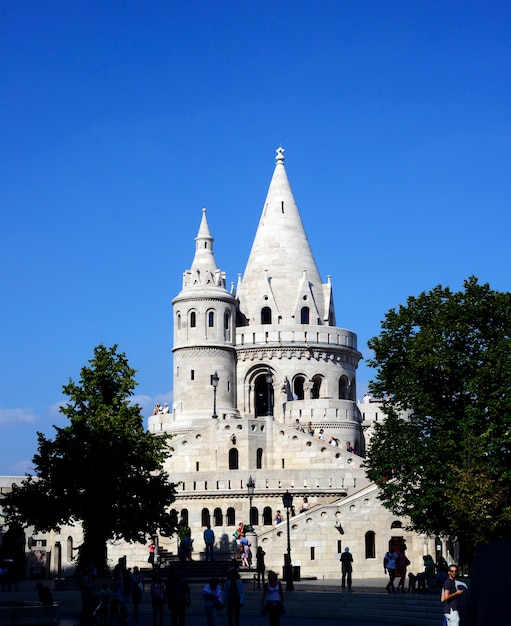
(312, 602)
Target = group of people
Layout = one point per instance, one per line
(308, 430)
(395, 563)
(333, 441)
(175, 593)
(233, 598)
(278, 518)
(160, 410)
(111, 602)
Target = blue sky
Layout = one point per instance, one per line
(121, 120)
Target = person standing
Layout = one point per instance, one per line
(389, 566)
(152, 549)
(451, 596)
(209, 540)
(157, 600)
(178, 599)
(234, 598)
(272, 602)
(137, 588)
(346, 568)
(185, 546)
(260, 554)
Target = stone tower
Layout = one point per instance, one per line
(204, 338)
(286, 327)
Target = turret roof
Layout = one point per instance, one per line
(281, 269)
(204, 271)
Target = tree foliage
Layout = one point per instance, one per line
(103, 470)
(443, 455)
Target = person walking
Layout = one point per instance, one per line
(346, 568)
(212, 598)
(209, 540)
(234, 598)
(451, 596)
(402, 563)
(272, 602)
(389, 566)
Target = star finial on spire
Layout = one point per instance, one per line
(280, 155)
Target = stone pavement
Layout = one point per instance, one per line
(312, 602)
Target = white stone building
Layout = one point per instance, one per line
(280, 360)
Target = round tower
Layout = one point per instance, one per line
(204, 339)
(293, 362)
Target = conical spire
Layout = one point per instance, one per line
(281, 270)
(204, 270)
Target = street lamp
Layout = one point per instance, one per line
(269, 382)
(250, 489)
(287, 501)
(214, 382)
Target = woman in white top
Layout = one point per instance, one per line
(272, 601)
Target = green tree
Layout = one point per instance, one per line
(443, 455)
(103, 470)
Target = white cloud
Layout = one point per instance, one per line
(10, 418)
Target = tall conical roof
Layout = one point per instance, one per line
(281, 270)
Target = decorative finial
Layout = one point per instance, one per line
(280, 154)
(204, 210)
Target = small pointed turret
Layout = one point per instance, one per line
(280, 259)
(204, 270)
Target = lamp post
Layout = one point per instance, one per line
(214, 382)
(250, 489)
(287, 501)
(269, 381)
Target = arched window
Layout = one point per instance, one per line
(254, 516)
(370, 545)
(305, 315)
(266, 315)
(178, 320)
(184, 517)
(193, 319)
(263, 391)
(233, 459)
(205, 518)
(316, 387)
(259, 458)
(267, 516)
(70, 554)
(227, 321)
(343, 388)
(217, 516)
(231, 516)
(211, 319)
(298, 387)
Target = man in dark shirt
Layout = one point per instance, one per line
(451, 596)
